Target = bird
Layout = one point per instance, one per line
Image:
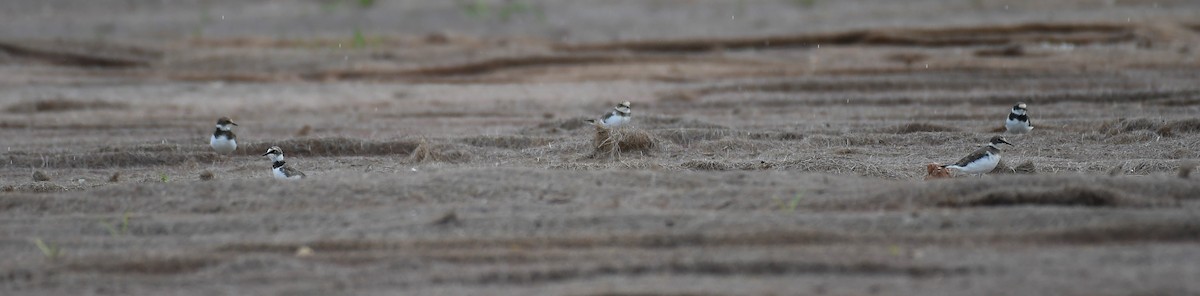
(1018, 120)
(279, 167)
(223, 140)
(619, 116)
(981, 161)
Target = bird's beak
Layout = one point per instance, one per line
(233, 123)
(1009, 144)
(268, 153)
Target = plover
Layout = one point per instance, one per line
(619, 116)
(981, 161)
(1018, 120)
(223, 140)
(279, 168)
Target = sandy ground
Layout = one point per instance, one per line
(783, 152)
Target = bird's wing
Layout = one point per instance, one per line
(979, 153)
(608, 115)
(289, 171)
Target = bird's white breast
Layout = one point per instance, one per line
(222, 144)
(616, 120)
(1017, 126)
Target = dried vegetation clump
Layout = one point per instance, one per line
(34, 187)
(1159, 128)
(612, 142)
(432, 152)
(39, 176)
(780, 136)
(705, 165)
(1185, 169)
(713, 165)
(1026, 167)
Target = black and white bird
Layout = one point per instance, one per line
(223, 140)
(981, 161)
(279, 167)
(619, 116)
(1018, 120)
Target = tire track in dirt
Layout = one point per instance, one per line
(686, 51)
(507, 63)
(89, 54)
(704, 268)
(954, 87)
(1078, 34)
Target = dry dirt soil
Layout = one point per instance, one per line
(777, 147)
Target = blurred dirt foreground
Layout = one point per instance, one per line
(776, 147)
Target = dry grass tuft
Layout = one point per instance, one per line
(1123, 125)
(1160, 128)
(1180, 154)
(847, 151)
(754, 165)
(919, 127)
(1063, 196)
(781, 136)
(428, 152)
(207, 175)
(62, 105)
(1185, 169)
(1026, 167)
(39, 176)
(612, 142)
(34, 187)
(332, 146)
(705, 165)
(1184, 126)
